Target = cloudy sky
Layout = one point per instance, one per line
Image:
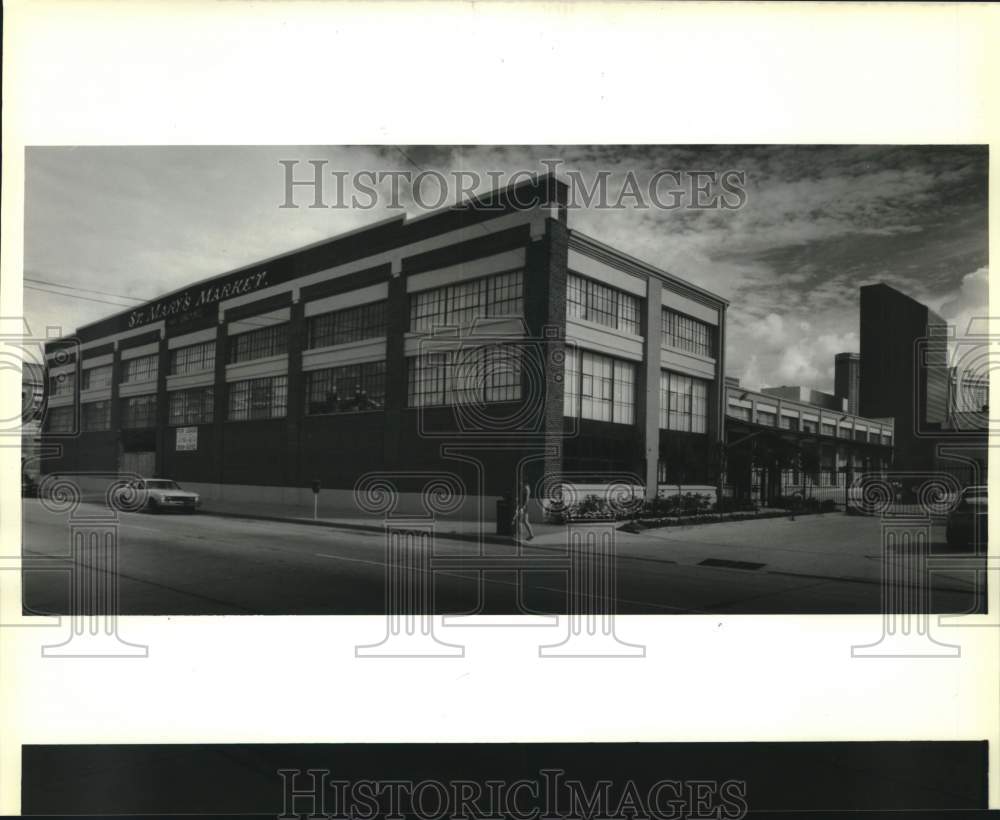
(106, 228)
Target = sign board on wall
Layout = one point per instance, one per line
(187, 438)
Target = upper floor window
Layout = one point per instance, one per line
(138, 411)
(474, 375)
(95, 415)
(843, 432)
(193, 358)
(264, 398)
(829, 429)
(346, 389)
(141, 368)
(96, 378)
(683, 403)
(349, 325)
(808, 426)
(62, 384)
(461, 303)
(598, 387)
(193, 406)
(685, 333)
(603, 304)
(766, 418)
(736, 412)
(789, 423)
(258, 344)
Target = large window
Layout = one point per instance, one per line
(138, 411)
(193, 406)
(96, 378)
(685, 333)
(347, 389)
(789, 423)
(605, 305)
(62, 385)
(141, 368)
(95, 415)
(60, 419)
(474, 375)
(733, 411)
(843, 431)
(767, 418)
(193, 358)
(265, 398)
(348, 325)
(258, 344)
(460, 304)
(598, 387)
(683, 403)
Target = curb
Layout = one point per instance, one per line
(342, 525)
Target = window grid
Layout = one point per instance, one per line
(60, 419)
(735, 411)
(602, 304)
(684, 403)
(346, 389)
(96, 378)
(95, 415)
(193, 406)
(598, 387)
(789, 423)
(62, 385)
(348, 325)
(472, 375)
(141, 369)
(685, 333)
(138, 411)
(829, 430)
(254, 399)
(459, 304)
(767, 419)
(258, 344)
(193, 358)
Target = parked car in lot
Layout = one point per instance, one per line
(161, 494)
(967, 522)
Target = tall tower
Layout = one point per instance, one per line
(847, 379)
(904, 371)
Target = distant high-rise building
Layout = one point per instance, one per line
(847, 379)
(904, 371)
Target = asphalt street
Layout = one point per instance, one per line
(203, 564)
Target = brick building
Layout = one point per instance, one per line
(487, 340)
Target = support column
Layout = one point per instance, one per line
(649, 406)
(164, 432)
(546, 262)
(116, 404)
(296, 393)
(397, 324)
(220, 398)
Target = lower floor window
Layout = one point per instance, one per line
(193, 406)
(474, 375)
(346, 389)
(598, 387)
(683, 403)
(139, 411)
(264, 398)
(95, 415)
(60, 419)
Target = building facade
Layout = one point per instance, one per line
(847, 379)
(779, 445)
(905, 375)
(488, 341)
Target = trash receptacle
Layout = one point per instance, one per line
(505, 515)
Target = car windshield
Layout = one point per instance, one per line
(162, 485)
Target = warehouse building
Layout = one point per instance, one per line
(782, 443)
(487, 340)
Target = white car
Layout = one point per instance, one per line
(162, 494)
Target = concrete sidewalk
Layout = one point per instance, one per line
(457, 529)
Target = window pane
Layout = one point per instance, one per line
(193, 358)
(685, 333)
(96, 378)
(346, 389)
(258, 344)
(141, 369)
(265, 398)
(95, 415)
